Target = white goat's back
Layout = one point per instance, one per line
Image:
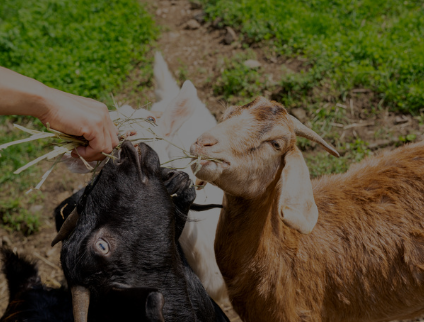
(185, 118)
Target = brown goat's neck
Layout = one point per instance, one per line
(249, 248)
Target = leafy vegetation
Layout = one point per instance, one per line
(16, 218)
(239, 80)
(376, 44)
(85, 47)
(14, 202)
(323, 163)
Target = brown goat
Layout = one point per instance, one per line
(361, 260)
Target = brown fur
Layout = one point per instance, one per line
(363, 261)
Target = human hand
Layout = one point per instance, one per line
(67, 113)
(80, 116)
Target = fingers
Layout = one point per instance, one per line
(92, 152)
(102, 137)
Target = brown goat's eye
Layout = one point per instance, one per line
(151, 119)
(102, 246)
(276, 145)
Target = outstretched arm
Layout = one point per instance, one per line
(71, 114)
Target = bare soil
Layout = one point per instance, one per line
(195, 54)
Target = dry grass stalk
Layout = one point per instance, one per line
(65, 143)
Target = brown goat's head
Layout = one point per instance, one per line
(255, 142)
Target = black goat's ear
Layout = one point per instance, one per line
(154, 307)
(64, 209)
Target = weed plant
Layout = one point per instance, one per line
(85, 47)
(237, 82)
(374, 44)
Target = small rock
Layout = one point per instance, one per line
(194, 5)
(50, 252)
(230, 37)
(80, 186)
(299, 113)
(192, 25)
(173, 35)
(200, 17)
(401, 119)
(35, 208)
(273, 60)
(6, 241)
(158, 12)
(251, 63)
(216, 22)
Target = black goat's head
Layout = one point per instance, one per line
(122, 227)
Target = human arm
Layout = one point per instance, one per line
(71, 114)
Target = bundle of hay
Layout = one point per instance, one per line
(63, 143)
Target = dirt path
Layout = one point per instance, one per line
(193, 52)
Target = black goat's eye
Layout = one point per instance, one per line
(276, 145)
(151, 119)
(102, 246)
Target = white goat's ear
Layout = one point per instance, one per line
(180, 109)
(297, 206)
(166, 86)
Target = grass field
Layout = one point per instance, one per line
(84, 47)
(376, 44)
(90, 47)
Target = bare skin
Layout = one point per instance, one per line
(71, 114)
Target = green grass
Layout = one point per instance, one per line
(85, 47)
(323, 163)
(14, 217)
(14, 203)
(375, 44)
(237, 82)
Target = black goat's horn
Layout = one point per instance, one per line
(80, 303)
(307, 133)
(67, 227)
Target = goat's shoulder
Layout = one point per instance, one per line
(386, 170)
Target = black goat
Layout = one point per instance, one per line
(123, 234)
(29, 300)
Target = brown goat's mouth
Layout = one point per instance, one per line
(206, 159)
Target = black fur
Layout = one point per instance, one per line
(29, 300)
(130, 209)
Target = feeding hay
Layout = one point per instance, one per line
(131, 128)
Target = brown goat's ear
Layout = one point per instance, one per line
(297, 206)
